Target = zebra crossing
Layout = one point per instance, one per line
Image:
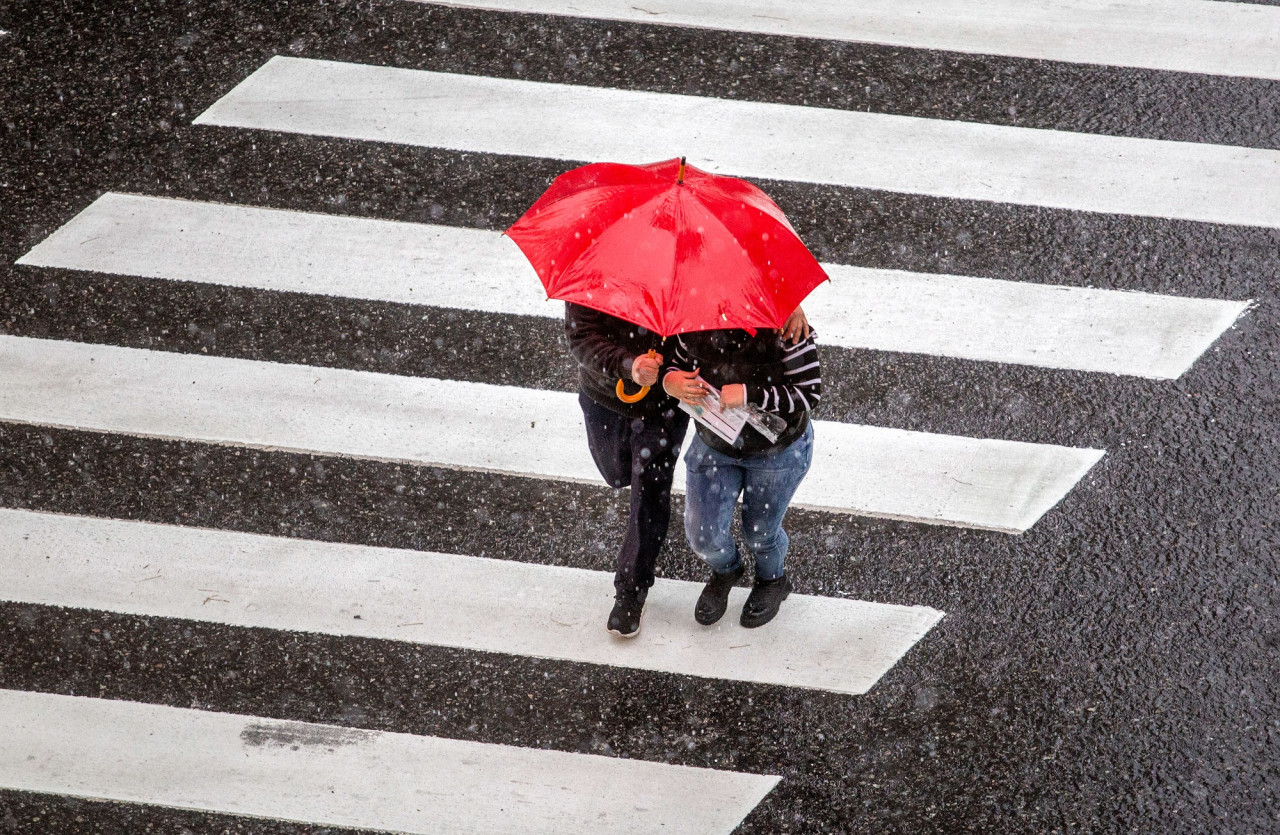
(76, 744)
(442, 599)
(1081, 328)
(204, 760)
(1232, 39)
(981, 483)
(958, 160)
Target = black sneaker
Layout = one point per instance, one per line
(763, 602)
(715, 596)
(624, 620)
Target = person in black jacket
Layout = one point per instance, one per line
(633, 445)
(780, 384)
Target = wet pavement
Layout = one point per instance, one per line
(1110, 670)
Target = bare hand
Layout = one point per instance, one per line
(644, 370)
(685, 386)
(796, 328)
(733, 396)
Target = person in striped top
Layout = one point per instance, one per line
(779, 384)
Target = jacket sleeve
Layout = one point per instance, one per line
(801, 388)
(594, 343)
(675, 357)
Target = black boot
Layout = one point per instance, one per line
(624, 620)
(763, 602)
(715, 596)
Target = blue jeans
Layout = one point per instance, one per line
(766, 484)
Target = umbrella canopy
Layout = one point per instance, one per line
(668, 247)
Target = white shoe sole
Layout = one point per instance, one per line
(625, 634)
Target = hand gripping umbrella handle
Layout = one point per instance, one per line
(638, 396)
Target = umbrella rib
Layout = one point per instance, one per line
(675, 255)
(573, 196)
(711, 215)
(759, 212)
(608, 231)
(755, 195)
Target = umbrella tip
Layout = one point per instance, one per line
(680, 173)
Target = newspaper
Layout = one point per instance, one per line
(728, 423)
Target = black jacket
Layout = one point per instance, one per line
(605, 347)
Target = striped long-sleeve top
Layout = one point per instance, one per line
(781, 378)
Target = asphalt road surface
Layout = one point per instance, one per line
(278, 553)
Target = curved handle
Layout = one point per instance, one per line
(630, 398)
(638, 396)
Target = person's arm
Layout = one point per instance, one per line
(593, 342)
(677, 355)
(680, 377)
(795, 331)
(801, 388)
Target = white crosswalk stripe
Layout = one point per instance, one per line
(823, 643)
(965, 160)
(1194, 36)
(943, 479)
(338, 776)
(1085, 329)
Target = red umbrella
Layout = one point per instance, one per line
(668, 247)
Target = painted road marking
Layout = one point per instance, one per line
(966, 160)
(822, 643)
(1141, 334)
(1181, 35)
(337, 776)
(867, 470)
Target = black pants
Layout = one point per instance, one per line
(639, 453)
